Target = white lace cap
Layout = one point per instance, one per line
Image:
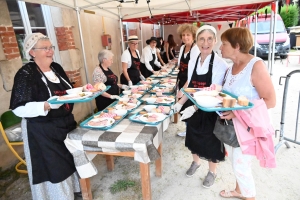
(31, 40)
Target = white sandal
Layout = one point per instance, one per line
(228, 194)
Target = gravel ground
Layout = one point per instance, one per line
(281, 183)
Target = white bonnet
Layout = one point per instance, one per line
(206, 27)
(31, 40)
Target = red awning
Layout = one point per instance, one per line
(229, 13)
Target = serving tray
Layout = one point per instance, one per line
(89, 98)
(84, 124)
(218, 108)
(135, 118)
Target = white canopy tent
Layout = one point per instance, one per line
(163, 11)
(139, 8)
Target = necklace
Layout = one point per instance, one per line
(52, 79)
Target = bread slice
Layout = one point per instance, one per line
(243, 101)
(229, 102)
(100, 86)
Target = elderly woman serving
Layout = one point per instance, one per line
(149, 60)
(103, 74)
(51, 169)
(131, 63)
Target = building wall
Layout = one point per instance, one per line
(10, 62)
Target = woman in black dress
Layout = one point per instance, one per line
(207, 68)
(187, 33)
(169, 53)
(102, 74)
(149, 62)
(131, 63)
(50, 165)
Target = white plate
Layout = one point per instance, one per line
(160, 117)
(164, 101)
(110, 122)
(159, 76)
(74, 96)
(168, 80)
(121, 106)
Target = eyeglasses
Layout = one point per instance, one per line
(134, 43)
(209, 40)
(46, 49)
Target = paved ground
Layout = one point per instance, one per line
(281, 183)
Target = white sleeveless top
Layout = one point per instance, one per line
(240, 84)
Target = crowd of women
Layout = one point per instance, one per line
(51, 169)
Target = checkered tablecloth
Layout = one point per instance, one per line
(125, 137)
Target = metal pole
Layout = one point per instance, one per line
(255, 35)
(142, 41)
(82, 47)
(121, 28)
(270, 42)
(274, 39)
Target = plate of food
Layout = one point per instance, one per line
(81, 95)
(126, 106)
(101, 122)
(208, 101)
(175, 72)
(164, 100)
(168, 80)
(152, 117)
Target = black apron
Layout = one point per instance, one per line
(145, 72)
(183, 68)
(50, 159)
(199, 134)
(112, 80)
(133, 71)
(165, 58)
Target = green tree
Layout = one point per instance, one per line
(290, 17)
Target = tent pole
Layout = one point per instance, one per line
(274, 39)
(141, 25)
(82, 47)
(255, 35)
(270, 42)
(121, 28)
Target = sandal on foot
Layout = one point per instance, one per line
(230, 194)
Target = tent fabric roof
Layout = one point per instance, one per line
(228, 13)
(171, 11)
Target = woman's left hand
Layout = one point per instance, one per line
(227, 115)
(179, 94)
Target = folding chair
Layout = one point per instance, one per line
(11, 132)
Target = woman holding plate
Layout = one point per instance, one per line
(51, 169)
(131, 63)
(149, 62)
(205, 69)
(103, 74)
(247, 77)
(187, 33)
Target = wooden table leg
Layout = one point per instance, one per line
(86, 191)
(145, 179)
(110, 162)
(158, 162)
(175, 118)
